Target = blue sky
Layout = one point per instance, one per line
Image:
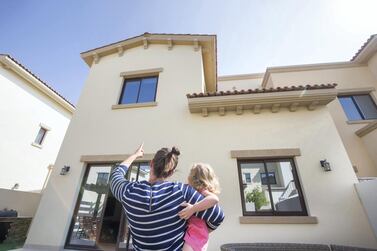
(47, 36)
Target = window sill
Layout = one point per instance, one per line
(136, 105)
(36, 145)
(366, 121)
(278, 220)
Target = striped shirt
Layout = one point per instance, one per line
(152, 210)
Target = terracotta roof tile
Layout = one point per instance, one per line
(263, 90)
(363, 46)
(35, 76)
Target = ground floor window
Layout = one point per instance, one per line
(98, 222)
(270, 187)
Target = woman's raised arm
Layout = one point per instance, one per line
(119, 184)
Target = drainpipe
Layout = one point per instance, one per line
(49, 167)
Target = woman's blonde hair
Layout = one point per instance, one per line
(203, 177)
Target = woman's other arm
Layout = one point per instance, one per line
(209, 201)
(118, 184)
(213, 216)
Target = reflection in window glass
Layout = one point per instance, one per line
(139, 90)
(284, 193)
(359, 107)
(130, 92)
(367, 106)
(93, 190)
(350, 108)
(272, 189)
(257, 197)
(147, 90)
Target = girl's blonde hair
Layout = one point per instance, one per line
(203, 177)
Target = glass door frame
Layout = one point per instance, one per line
(68, 245)
(123, 219)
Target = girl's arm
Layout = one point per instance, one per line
(118, 183)
(209, 201)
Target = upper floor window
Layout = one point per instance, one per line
(139, 90)
(359, 107)
(40, 136)
(274, 188)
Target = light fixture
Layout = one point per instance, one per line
(65, 170)
(325, 165)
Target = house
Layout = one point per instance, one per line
(288, 145)
(34, 119)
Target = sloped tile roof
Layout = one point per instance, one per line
(35, 76)
(263, 90)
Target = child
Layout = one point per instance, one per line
(203, 179)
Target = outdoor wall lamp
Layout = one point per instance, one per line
(65, 170)
(325, 165)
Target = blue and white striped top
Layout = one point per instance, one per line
(152, 210)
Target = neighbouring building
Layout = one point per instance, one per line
(288, 145)
(34, 120)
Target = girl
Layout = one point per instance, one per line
(203, 179)
(152, 206)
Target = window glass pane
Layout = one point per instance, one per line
(94, 190)
(40, 136)
(130, 92)
(147, 90)
(367, 106)
(284, 193)
(257, 198)
(132, 172)
(349, 108)
(144, 171)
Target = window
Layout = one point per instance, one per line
(359, 107)
(274, 188)
(271, 178)
(40, 136)
(139, 90)
(102, 178)
(247, 177)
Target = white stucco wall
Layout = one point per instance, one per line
(97, 129)
(22, 109)
(25, 203)
(372, 65)
(346, 78)
(367, 193)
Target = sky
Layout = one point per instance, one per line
(47, 36)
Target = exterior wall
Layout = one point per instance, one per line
(354, 77)
(370, 140)
(22, 109)
(367, 193)
(26, 203)
(239, 84)
(372, 65)
(96, 129)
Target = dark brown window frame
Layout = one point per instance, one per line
(357, 106)
(45, 130)
(304, 211)
(122, 227)
(125, 79)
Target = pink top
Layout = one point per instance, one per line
(197, 234)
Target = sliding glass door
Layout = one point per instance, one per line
(99, 222)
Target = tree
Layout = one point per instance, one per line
(257, 197)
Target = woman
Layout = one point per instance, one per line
(152, 207)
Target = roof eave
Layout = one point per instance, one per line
(205, 43)
(366, 51)
(10, 64)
